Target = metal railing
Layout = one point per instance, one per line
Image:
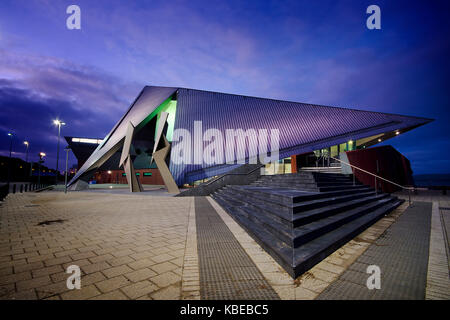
(207, 183)
(410, 189)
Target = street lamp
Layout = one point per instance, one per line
(58, 123)
(41, 156)
(26, 155)
(10, 135)
(67, 161)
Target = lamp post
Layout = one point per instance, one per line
(9, 160)
(67, 161)
(26, 154)
(59, 123)
(41, 156)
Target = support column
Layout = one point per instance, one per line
(125, 161)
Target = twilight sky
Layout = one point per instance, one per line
(308, 51)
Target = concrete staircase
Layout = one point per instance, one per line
(299, 219)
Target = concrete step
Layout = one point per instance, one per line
(312, 252)
(309, 216)
(320, 203)
(300, 227)
(315, 229)
(288, 196)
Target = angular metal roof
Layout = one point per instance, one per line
(147, 101)
(303, 127)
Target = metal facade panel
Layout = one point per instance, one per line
(303, 127)
(149, 99)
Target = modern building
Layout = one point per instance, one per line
(299, 219)
(308, 135)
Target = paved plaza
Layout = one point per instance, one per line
(153, 246)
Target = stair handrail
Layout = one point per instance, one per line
(233, 174)
(376, 176)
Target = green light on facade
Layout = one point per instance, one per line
(169, 106)
(171, 109)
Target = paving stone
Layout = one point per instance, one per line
(91, 268)
(114, 295)
(46, 271)
(163, 267)
(162, 257)
(116, 271)
(119, 232)
(33, 283)
(122, 253)
(82, 255)
(112, 284)
(165, 279)
(53, 289)
(169, 293)
(24, 295)
(304, 294)
(6, 271)
(101, 258)
(54, 261)
(92, 278)
(81, 294)
(143, 263)
(15, 277)
(139, 289)
(140, 275)
(119, 261)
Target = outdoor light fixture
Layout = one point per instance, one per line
(379, 140)
(397, 132)
(10, 134)
(42, 154)
(59, 123)
(26, 143)
(109, 172)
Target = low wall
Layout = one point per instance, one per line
(384, 161)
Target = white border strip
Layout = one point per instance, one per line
(438, 281)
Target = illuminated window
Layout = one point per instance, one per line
(86, 140)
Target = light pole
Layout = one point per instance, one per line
(41, 160)
(9, 160)
(59, 123)
(67, 161)
(26, 154)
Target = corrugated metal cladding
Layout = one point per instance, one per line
(302, 127)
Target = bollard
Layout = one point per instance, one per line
(21, 188)
(26, 188)
(14, 189)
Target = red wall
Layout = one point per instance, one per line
(116, 176)
(392, 165)
(294, 164)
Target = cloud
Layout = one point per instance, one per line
(34, 90)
